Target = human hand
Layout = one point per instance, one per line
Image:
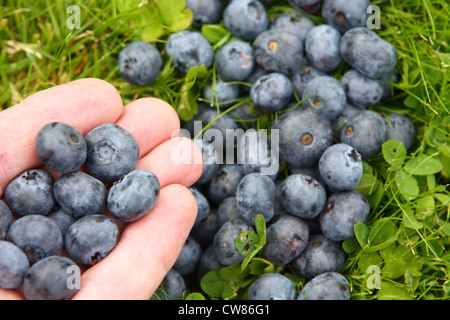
(148, 247)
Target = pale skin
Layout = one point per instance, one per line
(147, 248)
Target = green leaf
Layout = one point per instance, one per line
(424, 206)
(394, 152)
(230, 291)
(212, 284)
(431, 182)
(123, 6)
(407, 185)
(174, 14)
(367, 184)
(195, 296)
(371, 188)
(361, 233)
(259, 266)
(410, 220)
(442, 198)
(247, 242)
(260, 225)
(423, 165)
(369, 259)
(187, 105)
(382, 234)
(445, 161)
(391, 291)
(233, 273)
(214, 33)
(350, 245)
(144, 19)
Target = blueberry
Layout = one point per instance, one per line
(255, 194)
(172, 287)
(279, 208)
(338, 123)
(322, 48)
(326, 95)
(50, 279)
(326, 286)
(205, 11)
(210, 117)
(360, 90)
(134, 195)
(245, 19)
(91, 238)
(341, 167)
(255, 154)
(367, 52)
(307, 6)
(366, 132)
(5, 219)
(80, 194)
(295, 23)
(258, 72)
(244, 115)
(345, 14)
(400, 128)
(211, 160)
(271, 92)
(189, 257)
(13, 265)
(202, 205)
(224, 183)
(302, 196)
(304, 134)
(205, 230)
(287, 237)
(235, 61)
(301, 78)
(112, 152)
(61, 147)
(272, 286)
(220, 93)
(31, 192)
(62, 218)
(225, 241)
(189, 49)
(227, 210)
(208, 262)
(342, 211)
(278, 51)
(140, 63)
(38, 236)
(320, 255)
(308, 171)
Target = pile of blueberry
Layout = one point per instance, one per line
(63, 215)
(326, 131)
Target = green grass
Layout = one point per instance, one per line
(408, 232)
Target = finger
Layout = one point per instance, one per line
(84, 104)
(177, 160)
(10, 295)
(150, 121)
(147, 250)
